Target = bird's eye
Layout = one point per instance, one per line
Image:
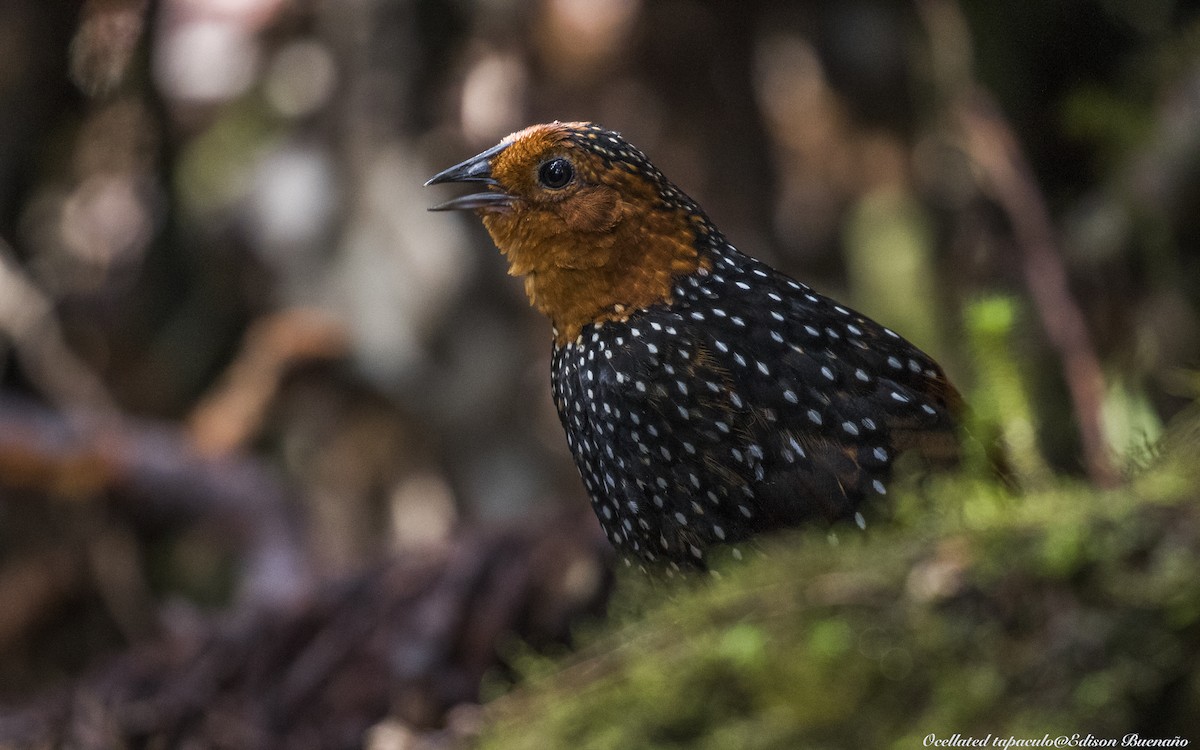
(556, 173)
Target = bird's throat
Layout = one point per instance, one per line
(577, 279)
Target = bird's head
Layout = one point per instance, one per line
(592, 225)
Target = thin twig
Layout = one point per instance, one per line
(27, 319)
(1006, 176)
(231, 414)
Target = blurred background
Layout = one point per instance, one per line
(223, 305)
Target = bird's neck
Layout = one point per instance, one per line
(582, 278)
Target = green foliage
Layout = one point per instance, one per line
(890, 251)
(1002, 410)
(976, 610)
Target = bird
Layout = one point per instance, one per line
(707, 398)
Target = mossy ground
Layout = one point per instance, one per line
(976, 610)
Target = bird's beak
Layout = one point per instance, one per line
(476, 169)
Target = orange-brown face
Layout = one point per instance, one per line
(591, 235)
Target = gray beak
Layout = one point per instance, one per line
(476, 169)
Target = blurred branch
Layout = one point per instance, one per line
(27, 319)
(230, 415)
(156, 468)
(1006, 175)
(104, 45)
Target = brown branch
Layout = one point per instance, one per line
(230, 415)
(1006, 176)
(155, 467)
(27, 319)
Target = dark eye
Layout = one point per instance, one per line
(556, 173)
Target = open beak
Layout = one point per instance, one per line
(476, 169)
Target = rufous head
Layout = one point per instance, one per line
(595, 229)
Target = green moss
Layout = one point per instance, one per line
(975, 610)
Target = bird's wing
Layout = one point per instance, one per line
(741, 420)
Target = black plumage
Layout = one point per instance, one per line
(749, 403)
